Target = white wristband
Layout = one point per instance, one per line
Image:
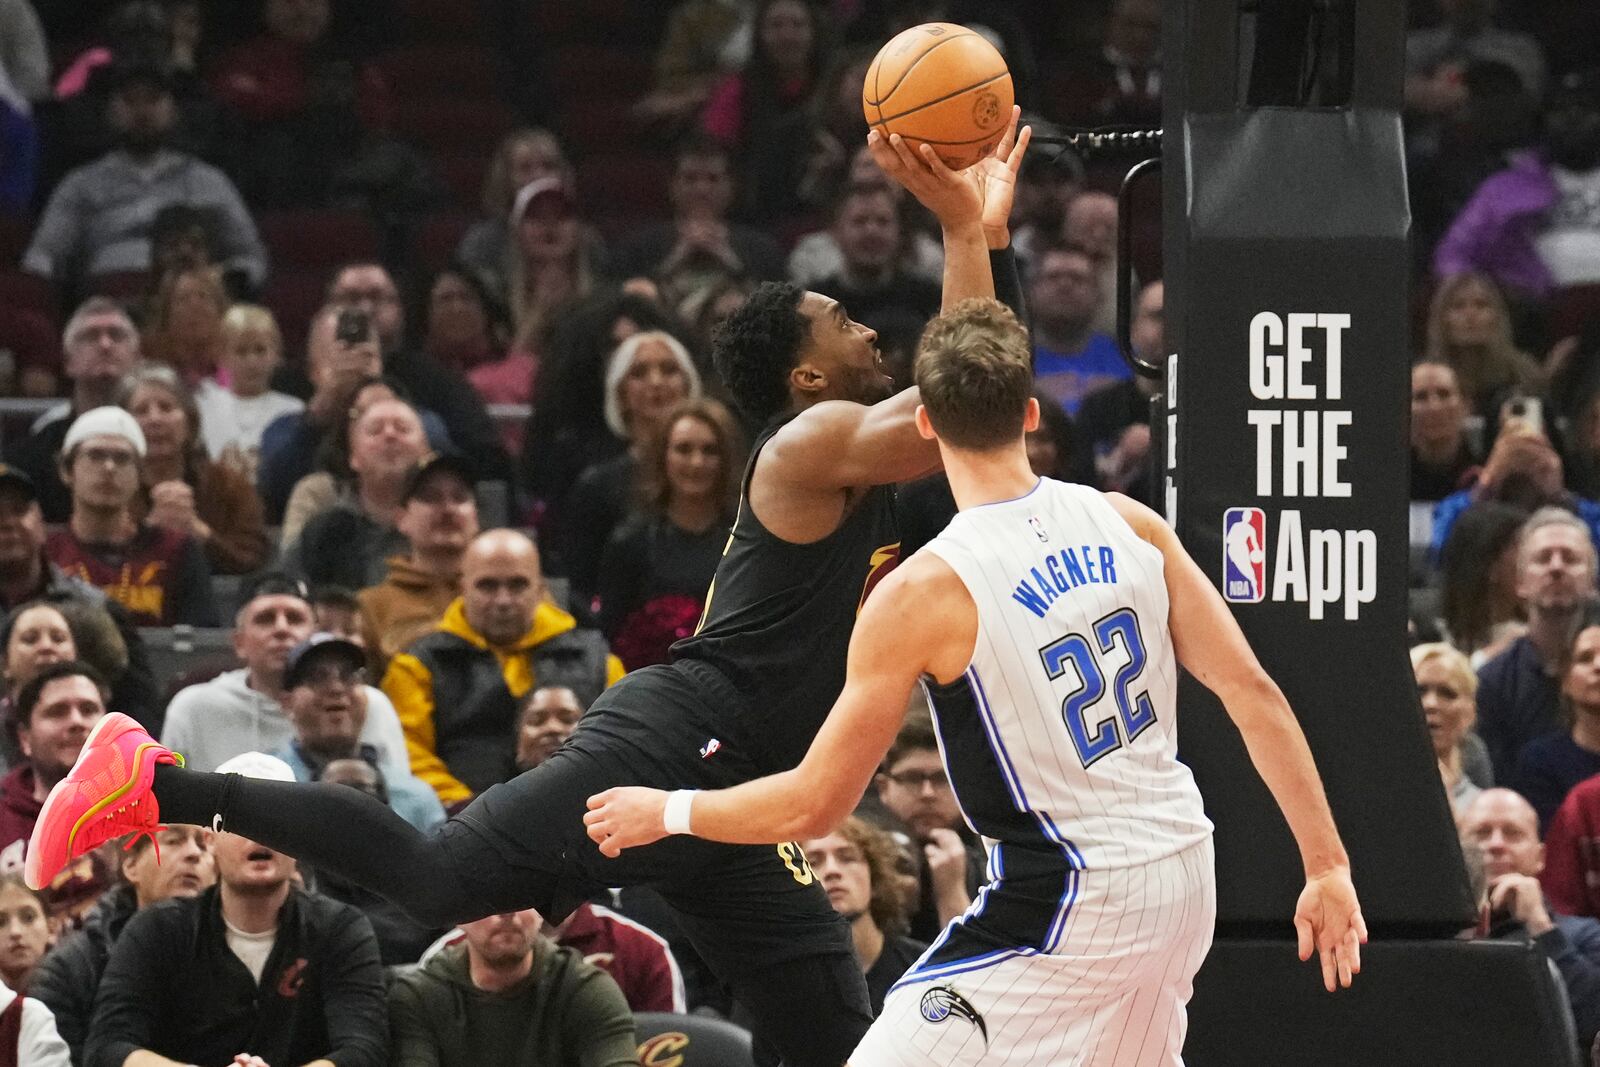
(675, 817)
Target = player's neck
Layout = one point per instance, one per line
(978, 478)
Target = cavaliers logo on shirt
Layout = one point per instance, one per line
(883, 561)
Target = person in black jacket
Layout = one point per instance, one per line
(67, 978)
(252, 966)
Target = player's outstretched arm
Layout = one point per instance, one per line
(1211, 647)
(910, 622)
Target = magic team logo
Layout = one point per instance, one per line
(1244, 555)
(941, 1002)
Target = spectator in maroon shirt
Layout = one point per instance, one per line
(159, 575)
(55, 712)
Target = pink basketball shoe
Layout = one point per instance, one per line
(105, 795)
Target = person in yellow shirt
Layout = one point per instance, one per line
(457, 688)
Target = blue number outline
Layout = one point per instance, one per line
(1136, 713)
(1092, 686)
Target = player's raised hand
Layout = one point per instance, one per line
(996, 175)
(1328, 921)
(626, 817)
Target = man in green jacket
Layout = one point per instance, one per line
(509, 996)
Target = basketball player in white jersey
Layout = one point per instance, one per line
(1047, 624)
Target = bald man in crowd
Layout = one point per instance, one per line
(1502, 828)
(458, 688)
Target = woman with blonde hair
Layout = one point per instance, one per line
(1447, 688)
(522, 156)
(647, 376)
(185, 327)
(234, 416)
(1469, 328)
(550, 258)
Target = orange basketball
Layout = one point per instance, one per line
(941, 84)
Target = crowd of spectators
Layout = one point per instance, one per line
(373, 339)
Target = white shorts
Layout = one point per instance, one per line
(1111, 992)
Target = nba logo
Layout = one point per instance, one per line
(1244, 555)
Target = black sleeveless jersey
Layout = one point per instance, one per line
(778, 617)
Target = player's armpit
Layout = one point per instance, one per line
(841, 445)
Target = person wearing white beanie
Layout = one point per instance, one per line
(159, 575)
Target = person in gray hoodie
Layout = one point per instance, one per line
(243, 710)
(507, 995)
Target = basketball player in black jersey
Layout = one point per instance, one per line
(743, 698)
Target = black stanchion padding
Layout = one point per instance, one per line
(1286, 267)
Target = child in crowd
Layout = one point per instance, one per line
(235, 413)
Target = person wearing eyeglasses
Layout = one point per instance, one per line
(325, 695)
(160, 575)
(247, 710)
(914, 788)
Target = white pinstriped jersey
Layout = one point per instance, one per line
(1061, 733)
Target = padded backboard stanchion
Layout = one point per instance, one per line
(1286, 273)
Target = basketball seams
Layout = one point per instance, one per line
(1004, 73)
(878, 103)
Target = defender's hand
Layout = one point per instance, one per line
(625, 818)
(1328, 920)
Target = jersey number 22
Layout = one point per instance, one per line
(1134, 711)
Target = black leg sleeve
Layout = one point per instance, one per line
(333, 828)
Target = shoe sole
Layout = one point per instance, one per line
(30, 873)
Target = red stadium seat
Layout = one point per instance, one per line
(597, 125)
(301, 239)
(294, 296)
(444, 20)
(125, 285)
(436, 240)
(456, 124)
(14, 235)
(439, 70)
(27, 292)
(1572, 309)
(632, 185)
(463, 174)
(30, 336)
(587, 71)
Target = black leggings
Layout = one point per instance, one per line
(333, 828)
(756, 913)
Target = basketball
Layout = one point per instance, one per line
(943, 85)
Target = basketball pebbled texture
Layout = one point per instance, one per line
(942, 84)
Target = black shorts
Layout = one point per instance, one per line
(755, 912)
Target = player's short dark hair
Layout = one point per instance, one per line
(28, 699)
(916, 735)
(974, 368)
(756, 347)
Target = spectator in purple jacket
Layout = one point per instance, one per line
(1533, 226)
